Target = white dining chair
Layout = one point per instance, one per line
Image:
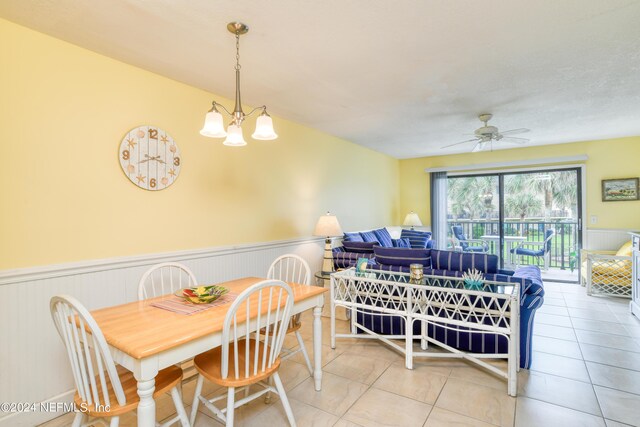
(247, 356)
(292, 268)
(164, 279)
(102, 388)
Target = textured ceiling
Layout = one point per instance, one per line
(402, 77)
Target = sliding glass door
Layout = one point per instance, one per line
(526, 218)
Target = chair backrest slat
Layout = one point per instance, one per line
(165, 278)
(270, 315)
(290, 268)
(91, 362)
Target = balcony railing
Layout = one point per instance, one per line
(564, 243)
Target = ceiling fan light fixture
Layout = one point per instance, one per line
(264, 128)
(234, 136)
(213, 125)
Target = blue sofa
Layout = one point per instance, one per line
(454, 264)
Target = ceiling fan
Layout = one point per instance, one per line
(486, 135)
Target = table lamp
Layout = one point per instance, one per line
(327, 227)
(412, 219)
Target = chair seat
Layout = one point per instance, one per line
(165, 381)
(208, 364)
(529, 252)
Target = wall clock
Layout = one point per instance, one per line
(150, 158)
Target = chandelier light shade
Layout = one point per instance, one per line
(412, 220)
(327, 227)
(213, 122)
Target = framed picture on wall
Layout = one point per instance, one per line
(618, 190)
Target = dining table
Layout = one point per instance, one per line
(144, 338)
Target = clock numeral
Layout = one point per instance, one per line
(153, 134)
(125, 155)
(152, 183)
(176, 161)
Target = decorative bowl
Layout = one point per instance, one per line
(202, 294)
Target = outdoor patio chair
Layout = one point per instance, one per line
(461, 243)
(535, 249)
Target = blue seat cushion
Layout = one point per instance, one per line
(362, 247)
(463, 261)
(401, 243)
(402, 256)
(383, 236)
(473, 248)
(353, 237)
(529, 252)
(417, 239)
(369, 236)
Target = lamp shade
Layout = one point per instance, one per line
(213, 126)
(264, 128)
(328, 226)
(234, 136)
(412, 219)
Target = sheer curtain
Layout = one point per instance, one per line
(439, 208)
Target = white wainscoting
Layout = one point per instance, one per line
(606, 239)
(33, 365)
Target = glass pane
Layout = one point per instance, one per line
(541, 221)
(473, 213)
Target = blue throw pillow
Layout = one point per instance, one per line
(401, 243)
(402, 256)
(369, 236)
(383, 237)
(362, 247)
(353, 237)
(417, 238)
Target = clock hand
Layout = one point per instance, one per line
(149, 158)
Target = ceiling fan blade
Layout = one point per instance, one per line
(514, 131)
(515, 140)
(480, 146)
(462, 142)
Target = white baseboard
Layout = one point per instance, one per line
(35, 366)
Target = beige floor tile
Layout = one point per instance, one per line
(356, 367)
(561, 366)
(591, 314)
(535, 413)
(619, 406)
(632, 331)
(553, 309)
(375, 349)
(613, 377)
(620, 342)
(590, 304)
(554, 301)
(292, 373)
(328, 354)
(599, 326)
(337, 395)
(479, 375)
(345, 423)
(556, 346)
(423, 383)
(442, 418)
(189, 387)
(552, 319)
(305, 415)
(559, 391)
(554, 332)
(611, 356)
(473, 400)
(381, 408)
(243, 412)
(61, 421)
(611, 423)
(627, 318)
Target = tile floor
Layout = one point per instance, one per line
(586, 372)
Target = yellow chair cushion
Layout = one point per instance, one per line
(625, 250)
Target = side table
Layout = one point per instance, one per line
(324, 280)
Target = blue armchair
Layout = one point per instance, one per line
(467, 245)
(536, 249)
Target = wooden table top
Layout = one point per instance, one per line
(141, 330)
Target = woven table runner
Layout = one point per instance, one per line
(181, 306)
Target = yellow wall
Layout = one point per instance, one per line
(614, 158)
(64, 197)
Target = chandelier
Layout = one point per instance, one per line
(213, 125)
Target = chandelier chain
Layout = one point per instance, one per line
(237, 51)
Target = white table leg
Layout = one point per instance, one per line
(317, 347)
(147, 406)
